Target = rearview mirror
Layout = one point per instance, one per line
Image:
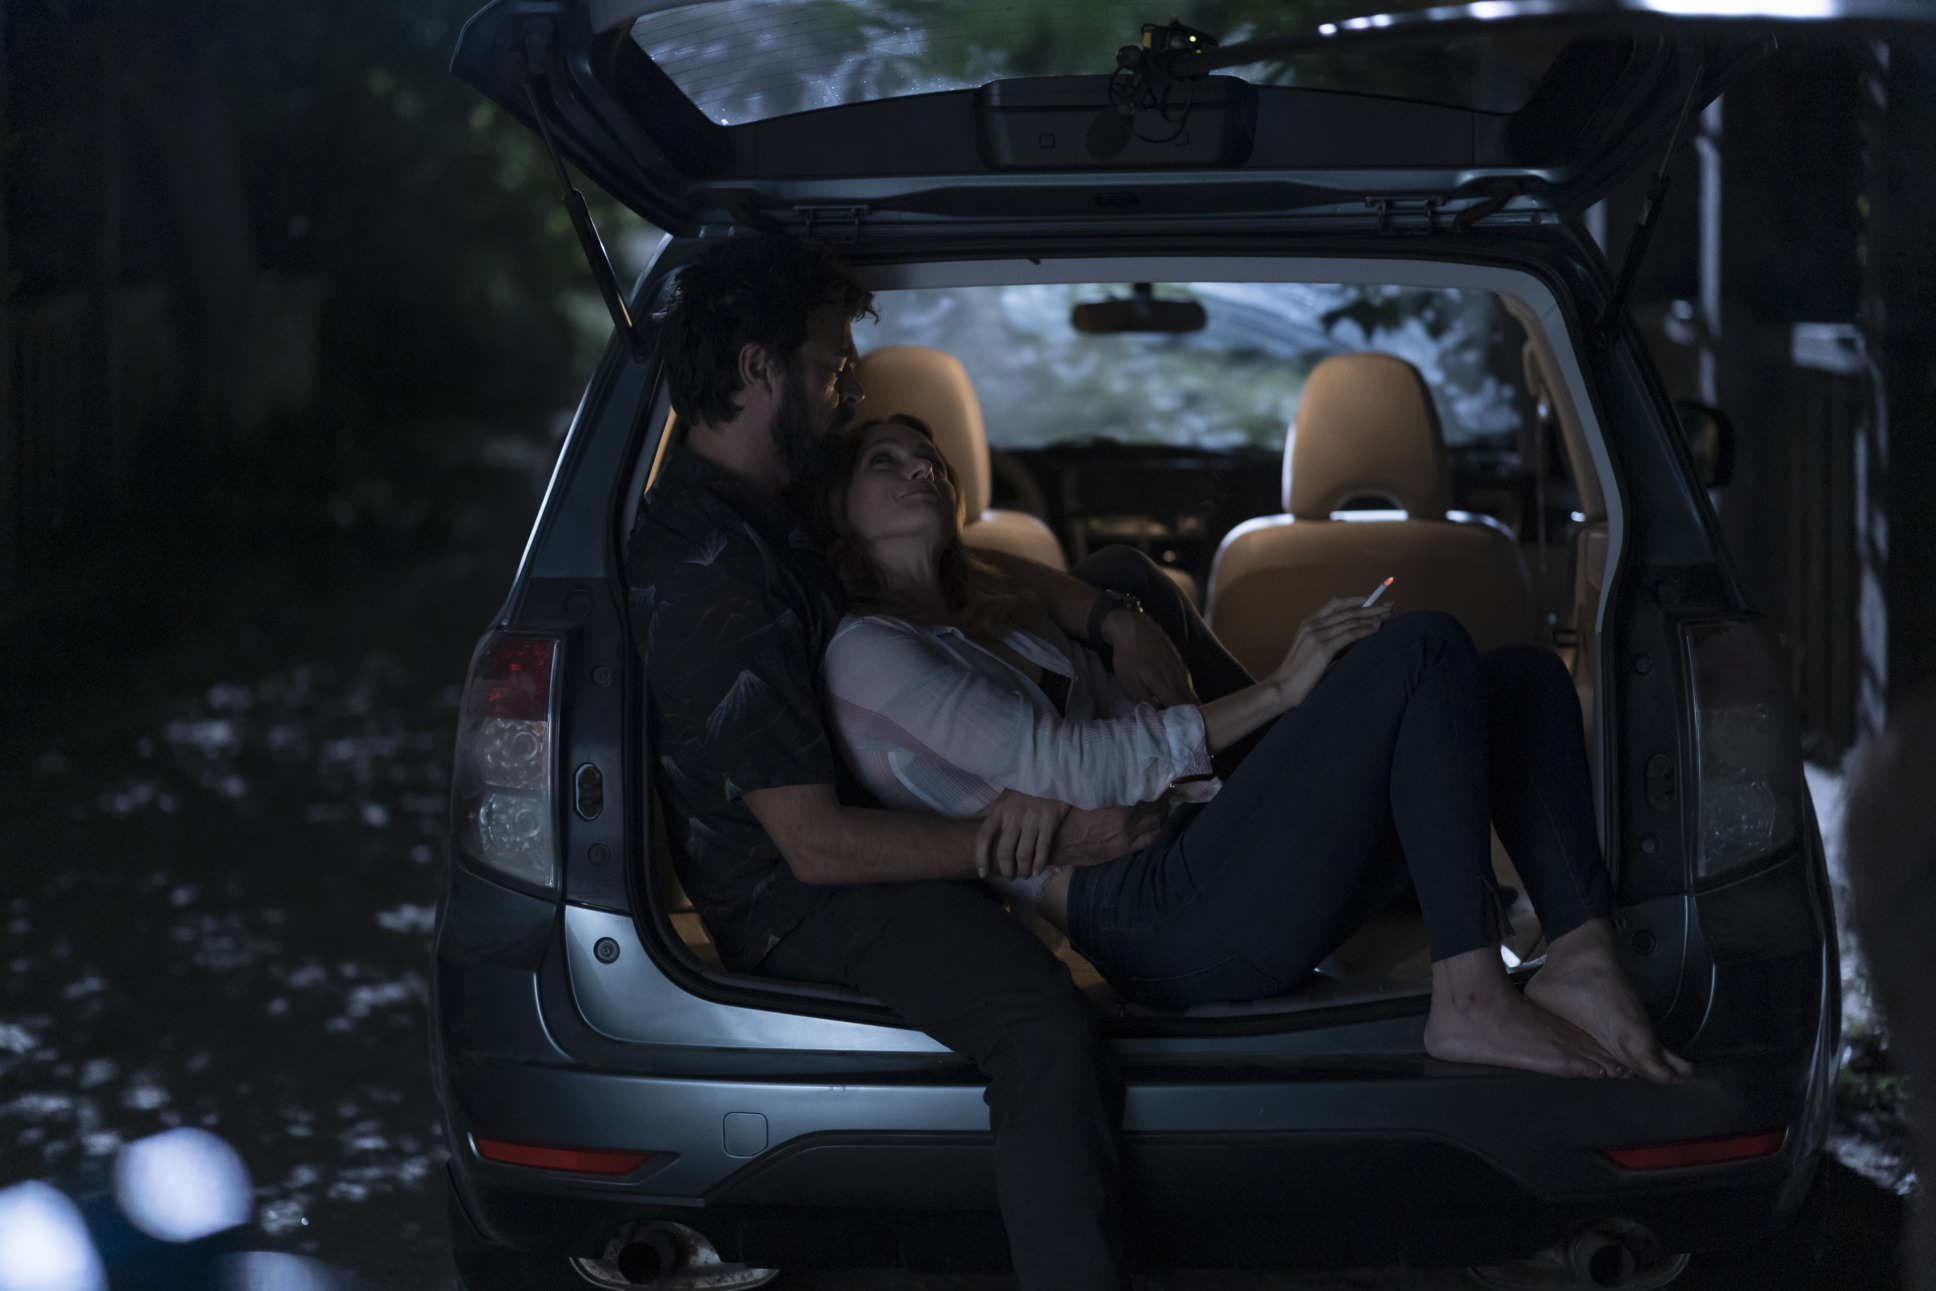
(1710, 438)
(1142, 312)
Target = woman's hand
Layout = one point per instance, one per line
(1017, 835)
(1340, 623)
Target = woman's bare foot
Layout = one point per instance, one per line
(1477, 1016)
(1582, 982)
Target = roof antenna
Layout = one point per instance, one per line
(588, 239)
(1603, 331)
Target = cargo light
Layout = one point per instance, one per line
(501, 783)
(1671, 1156)
(1748, 785)
(576, 1160)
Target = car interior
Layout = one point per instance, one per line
(1506, 530)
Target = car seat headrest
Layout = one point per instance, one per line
(932, 385)
(1366, 427)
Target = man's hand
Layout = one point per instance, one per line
(1145, 660)
(1017, 835)
(1338, 624)
(1092, 836)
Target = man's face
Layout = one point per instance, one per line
(816, 403)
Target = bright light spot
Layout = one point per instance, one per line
(1748, 8)
(1506, 953)
(1579, 517)
(44, 1244)
(182, 1185)
(277, 1271)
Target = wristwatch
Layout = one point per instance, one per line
(1108, 601)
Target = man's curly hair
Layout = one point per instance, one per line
(764, 290)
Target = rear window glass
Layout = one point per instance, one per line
(746, 60)
(1233, 385)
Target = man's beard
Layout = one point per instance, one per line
(811, 457)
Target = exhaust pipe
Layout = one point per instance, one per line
(650, 1256)
(659, 1255)
(1600, 1257)
(1608, 1254)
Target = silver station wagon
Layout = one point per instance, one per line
(1126, 266)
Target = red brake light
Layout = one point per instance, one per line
(513, 680)
(578, 1160)
(1668, 1156)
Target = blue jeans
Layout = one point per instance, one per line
(1391, 767)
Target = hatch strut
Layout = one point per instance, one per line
(1603, 331)
(594, 246)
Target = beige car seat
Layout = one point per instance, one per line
(1365, 428)
(933, 386)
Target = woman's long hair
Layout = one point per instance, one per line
(980, 598)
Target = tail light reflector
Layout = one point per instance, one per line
(1669, 1156)
(1749, 784)
(577, 1160)
(501, 785)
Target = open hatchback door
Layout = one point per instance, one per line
(910, 113)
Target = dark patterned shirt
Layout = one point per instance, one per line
(732, 605)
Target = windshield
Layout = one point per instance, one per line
(746, 60)
(1233, 385)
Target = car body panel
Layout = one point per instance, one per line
(630, 999)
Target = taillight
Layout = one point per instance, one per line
(576, 1160)
(1675, 1156)
(501, 785)
(1747, 791)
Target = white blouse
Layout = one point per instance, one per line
(931, 720)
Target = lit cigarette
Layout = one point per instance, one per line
(1376, 592)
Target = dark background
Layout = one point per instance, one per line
(290, 325)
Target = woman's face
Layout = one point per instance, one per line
(900, 488)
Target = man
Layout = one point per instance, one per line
(733, 607)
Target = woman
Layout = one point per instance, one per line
(947, 687)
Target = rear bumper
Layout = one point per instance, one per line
(1438, 1167)
(1260, 1150)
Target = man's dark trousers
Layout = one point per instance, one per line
(948, 959)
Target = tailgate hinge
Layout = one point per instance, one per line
(1499, 194)
(1390, 208)
(851, 216)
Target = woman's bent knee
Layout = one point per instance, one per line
(1525, 665)
(1432, 626)
(1124, 569)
